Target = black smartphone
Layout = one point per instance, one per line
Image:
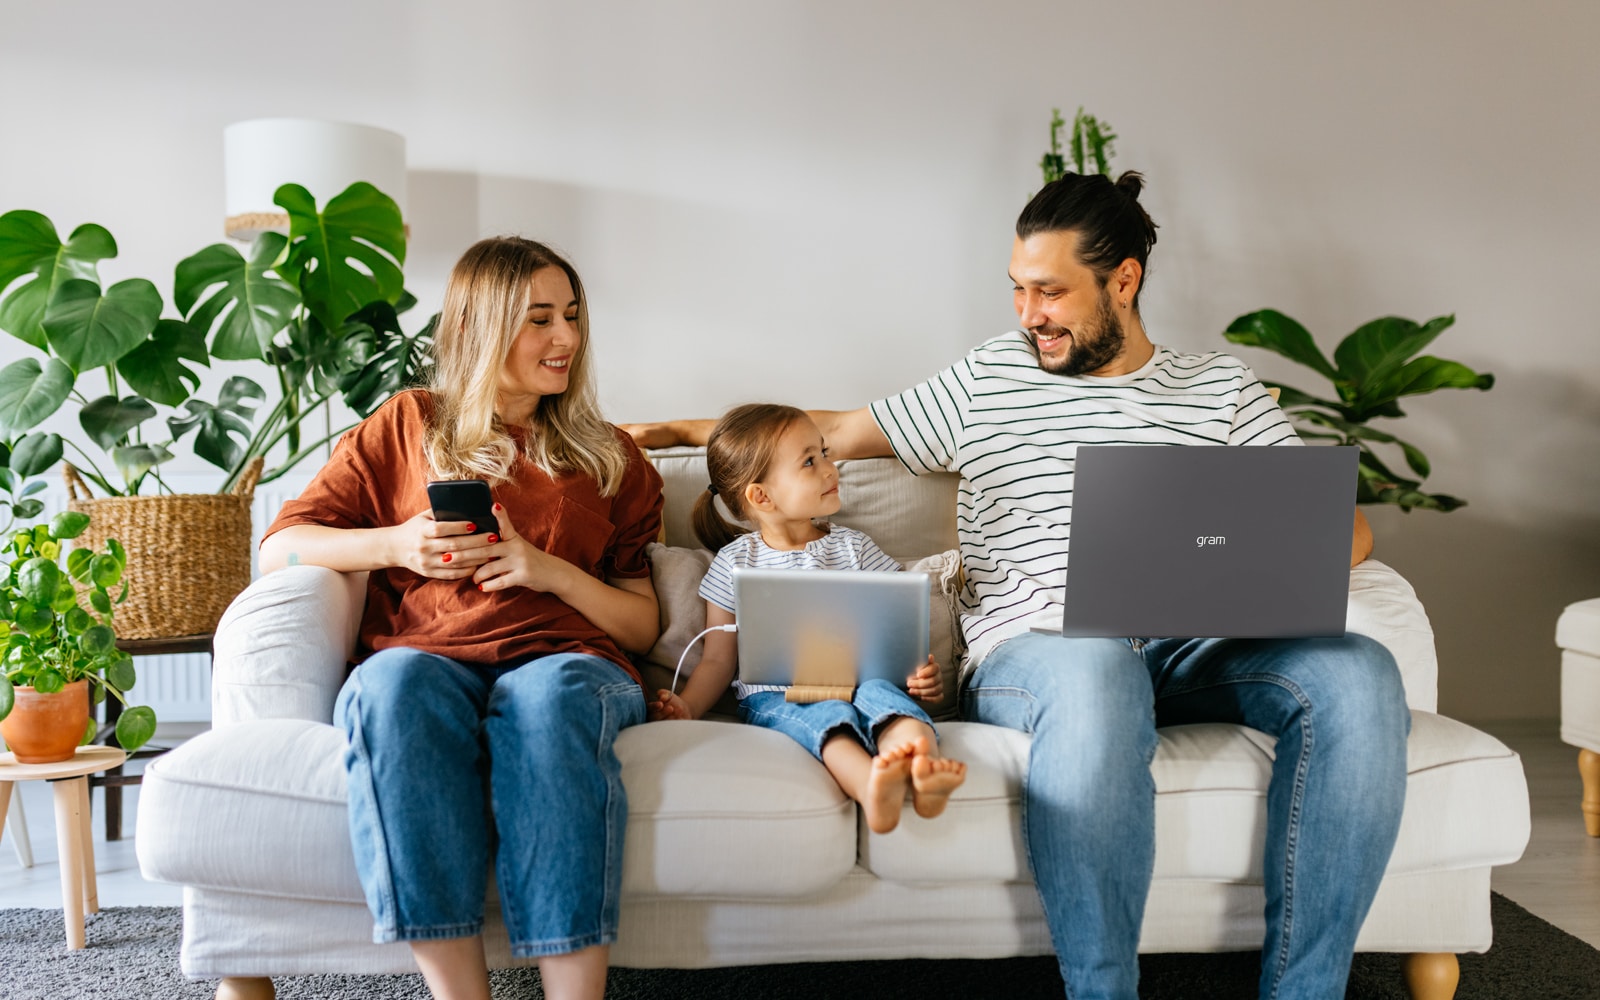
(464, 500)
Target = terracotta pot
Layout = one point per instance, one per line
(45, 728)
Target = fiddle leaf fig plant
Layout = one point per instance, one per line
(51, 639)
(1371, 369)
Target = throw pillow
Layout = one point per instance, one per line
(676, 574)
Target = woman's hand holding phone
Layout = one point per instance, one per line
(515, 562)
(440, 550)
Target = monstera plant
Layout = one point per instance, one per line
(319, 306)
(1371, 369)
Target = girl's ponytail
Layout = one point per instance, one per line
(709, 525)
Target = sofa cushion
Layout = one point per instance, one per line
(732, 811)
(715, 809)
(1466, 806)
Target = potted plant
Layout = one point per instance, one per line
(320, 307)
(59, 657)
(20, 459)
(1091, 145)
(1371, 369)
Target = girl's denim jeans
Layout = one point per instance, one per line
(1338, 712)
(448, 762)
(875, 705)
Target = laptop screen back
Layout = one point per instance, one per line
(845, 625)
(1210, 541)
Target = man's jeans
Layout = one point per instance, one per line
(1338, 712)
(427, 735)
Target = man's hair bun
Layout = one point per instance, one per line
(1131, 183)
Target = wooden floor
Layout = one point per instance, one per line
(1558, 878)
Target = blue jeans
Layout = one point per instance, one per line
(440, 751)
(875, 705)
(1338, 712)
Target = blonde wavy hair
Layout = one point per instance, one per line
(485, 307)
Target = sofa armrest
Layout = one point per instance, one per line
(1383, 606)
(282, 646)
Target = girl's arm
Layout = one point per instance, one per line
(710, 678)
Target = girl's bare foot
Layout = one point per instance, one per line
(886, 788)
(932, 781)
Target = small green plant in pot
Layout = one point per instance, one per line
(53, 643)
(1371, 369)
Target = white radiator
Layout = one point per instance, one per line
(179, 687)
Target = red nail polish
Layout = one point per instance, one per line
(472, 529)
(480, 586)
(498, 507)
(446, 557)
(493, 538)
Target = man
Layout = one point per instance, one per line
(1009, 418)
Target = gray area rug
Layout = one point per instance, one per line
(132, 954)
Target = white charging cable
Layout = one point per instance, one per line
(685, 655)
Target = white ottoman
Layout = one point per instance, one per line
(1578, 635)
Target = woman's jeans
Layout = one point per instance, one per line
(430, 740)
(1338, 712)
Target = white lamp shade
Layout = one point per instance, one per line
(261, 155)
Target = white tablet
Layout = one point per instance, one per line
(830, 626)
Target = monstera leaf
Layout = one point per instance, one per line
(397, 362)
(218, 425)
(241, 304)
(347, 255)
(34, 454)
(88, 329)
(155, 369)
(30, 392)
(29, 246)
(108, 420)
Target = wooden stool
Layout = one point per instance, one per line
(114, 780)
(74, 840)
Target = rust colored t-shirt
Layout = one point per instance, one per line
(377, 476)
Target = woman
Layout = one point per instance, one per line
(497, 676)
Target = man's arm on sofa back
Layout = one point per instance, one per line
(282, 646)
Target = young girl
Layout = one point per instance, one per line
(769, 465)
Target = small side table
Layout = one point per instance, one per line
(114, 780)
(74, 839)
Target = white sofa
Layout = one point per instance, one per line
(740, 848)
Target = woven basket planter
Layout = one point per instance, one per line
(188, 553)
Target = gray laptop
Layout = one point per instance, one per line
(830, 626)
(1210, 541)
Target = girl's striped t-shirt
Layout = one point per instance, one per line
(1012, 430)
(841, 548)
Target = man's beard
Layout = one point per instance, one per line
(1094, 345)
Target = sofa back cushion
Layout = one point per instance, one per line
(910, 517)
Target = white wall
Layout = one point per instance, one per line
(812, 202)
